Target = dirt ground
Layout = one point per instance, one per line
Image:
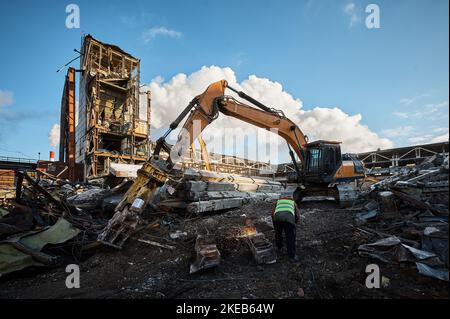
(327, 243)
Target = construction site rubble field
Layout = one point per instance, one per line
(193, 245)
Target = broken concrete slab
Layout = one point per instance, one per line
(124, 170)
(214, 205)
(89, 199)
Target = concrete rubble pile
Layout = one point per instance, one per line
(402, 219)
(406, 217)
(201, 191)
(52, 220)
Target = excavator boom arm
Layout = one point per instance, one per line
(213, 100)
(272, 121)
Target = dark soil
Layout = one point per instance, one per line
(327, 243)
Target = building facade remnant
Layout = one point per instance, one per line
(113, 116)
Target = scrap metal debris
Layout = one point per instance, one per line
(261, 248)
(207, 254)
(42, 215)
(409, 211)
(397, 222)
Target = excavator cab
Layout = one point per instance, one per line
(322, 159)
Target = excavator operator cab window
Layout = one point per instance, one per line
(313, 160)
(323, 159)
(329, 159)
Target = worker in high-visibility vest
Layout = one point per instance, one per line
(285, 218)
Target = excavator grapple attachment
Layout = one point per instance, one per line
(127, 216)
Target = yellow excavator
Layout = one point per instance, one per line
(321, 170)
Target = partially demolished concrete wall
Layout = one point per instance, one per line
(113, 126)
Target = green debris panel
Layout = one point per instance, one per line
(24, 251)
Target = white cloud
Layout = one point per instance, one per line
(429, 138)
(431, 109)
(335, 124)
(409, 135)
(407, 101)
(53, 135)
(401, 131)
(437, 106)
(351, 10)
(411, 100)
(401, 115)
(154, 32)
(169, 99)
(424, 139)
(6, 98)
(440, 129)
(441, 138)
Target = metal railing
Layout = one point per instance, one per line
(19, 160)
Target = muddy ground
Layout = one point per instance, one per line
(327, 243)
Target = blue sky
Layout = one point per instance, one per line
(396, 77)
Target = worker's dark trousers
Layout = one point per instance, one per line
(289, 232)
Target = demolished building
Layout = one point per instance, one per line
(113, 116)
